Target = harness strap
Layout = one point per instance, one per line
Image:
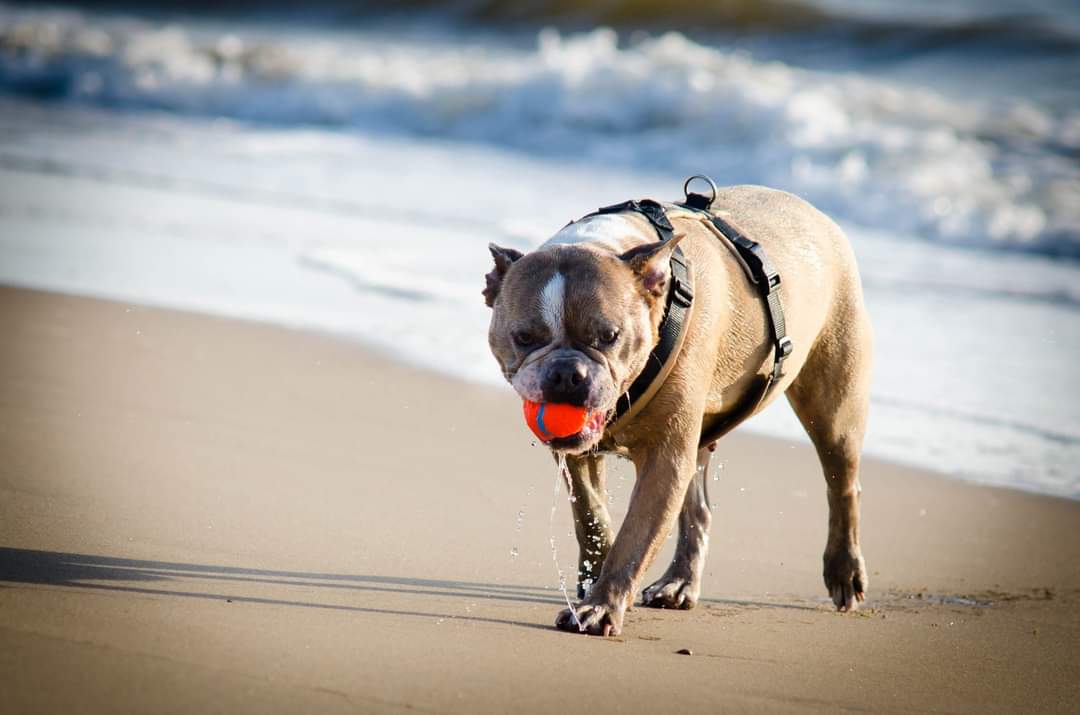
(760, 271)
(651, 210)
(680, 298)
(672, 327)
(767, 279)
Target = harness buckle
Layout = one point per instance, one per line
(784, 348)
(681, 293)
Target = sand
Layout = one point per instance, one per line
(205, 515)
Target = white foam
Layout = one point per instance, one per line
(964, 171)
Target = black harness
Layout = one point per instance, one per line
(760, 271)
(679, 299)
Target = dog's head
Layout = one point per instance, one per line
(575, 324)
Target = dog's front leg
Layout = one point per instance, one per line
(591, 519)
(663, 475)
(680, 586)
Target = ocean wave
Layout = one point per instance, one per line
(994, 173)
(1004, 26)
(1008, 24)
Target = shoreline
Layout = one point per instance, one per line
(200, 512)
(945, 396)
(388, 355)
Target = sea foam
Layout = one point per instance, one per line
(995, 172)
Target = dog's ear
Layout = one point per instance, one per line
(504, 257)
(652, 264)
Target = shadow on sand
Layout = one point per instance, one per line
(105, 573)
(153, 577)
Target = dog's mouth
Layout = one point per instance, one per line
(589, 434)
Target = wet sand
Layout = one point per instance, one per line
(204, 515)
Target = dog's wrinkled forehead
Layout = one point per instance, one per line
(561, 285)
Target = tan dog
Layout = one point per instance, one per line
(576, 320)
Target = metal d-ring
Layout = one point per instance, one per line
(712, 185)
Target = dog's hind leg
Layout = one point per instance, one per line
(680, 586)
(592, 523)
(831, 397)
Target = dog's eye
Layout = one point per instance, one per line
(523, 338)
(608, 336)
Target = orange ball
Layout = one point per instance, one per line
(549, 420)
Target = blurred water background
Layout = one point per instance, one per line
(342, 167)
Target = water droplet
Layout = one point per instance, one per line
(563, 473)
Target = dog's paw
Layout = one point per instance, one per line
(595, 618)
(671, 591)
(845, 577)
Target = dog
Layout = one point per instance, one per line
(576, 321)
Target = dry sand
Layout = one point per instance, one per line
(202, 515)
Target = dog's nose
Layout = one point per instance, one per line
(566, 380)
